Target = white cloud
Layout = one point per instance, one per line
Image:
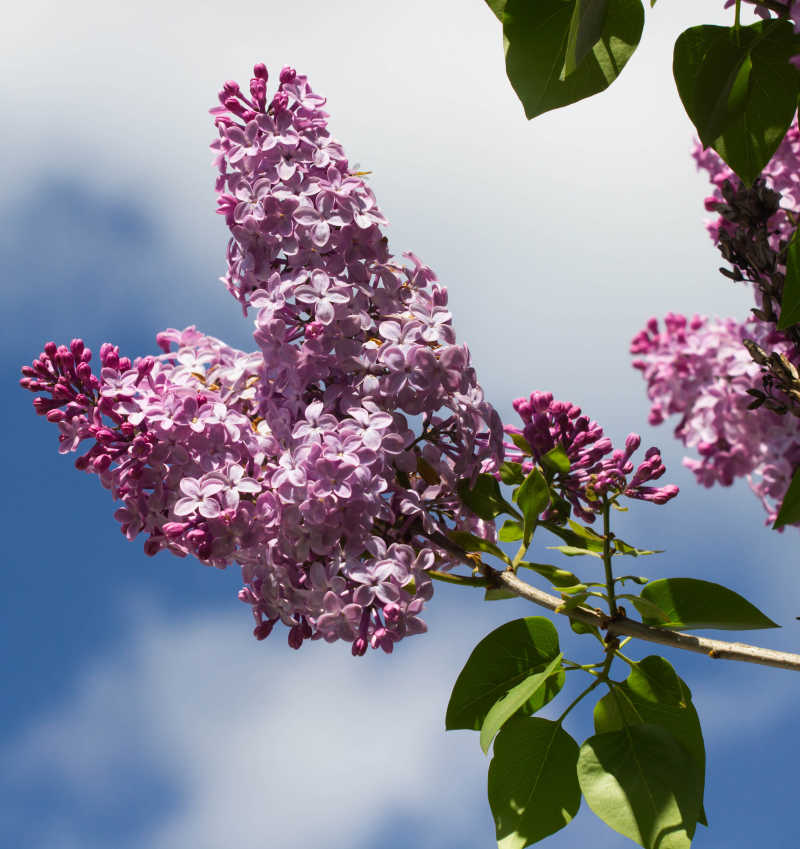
(259, 743)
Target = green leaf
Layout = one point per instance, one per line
(497, 7)
(500, 661)
(622, 547)
(574, 551)
(693, 604)
(484, 498)
(469, 542)
(634, 779)
(532, 498)
(536, 37)
(498, 594)
(510, 532)
(790, 300)
(790, 509)
(592, 539)
(556, 460)
(572, 597)
(585, 30)
(637, 579)
(533, 786)
(519, 440)
(653, 693)
(511, 473)
(583, 628)
(514, 700)
(739, 89)
(557, 577)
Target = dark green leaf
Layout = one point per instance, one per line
(511, 473)
(500, 661)
(693, 604)
(634, 779)
(585, 30)
(469, 542)
(536, 36)
(556, 460)
(532, 498)
(790, 509)
(511, 531)
(514, 700)
(557, 577)
(484, 498)
(739, 89)
(497, 7)
(653, 693)
(790, 300)
(533, 786)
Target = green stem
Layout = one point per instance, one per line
(523, 550)
(737, 19)
(612, 599)
(601, 677)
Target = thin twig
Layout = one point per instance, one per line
(622, 626)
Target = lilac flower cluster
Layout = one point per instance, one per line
(597, 469)
(781, 174)
(700, 370)
(324, 462)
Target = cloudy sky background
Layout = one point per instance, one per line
(138, 711)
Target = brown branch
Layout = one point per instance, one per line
(622, 626)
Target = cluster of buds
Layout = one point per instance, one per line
(597, 471)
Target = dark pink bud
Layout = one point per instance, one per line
(174, 529)
(50, 349)
(153, 545)
(231, 87)
(262, 631)
(632, 442)
(56, 416)
(101, 462)
(127, 430)
(82, 463)
(288, 74)
(359, 648)
(76, 346)
(260, 71)
(391, 611)
(124, 363)
(295, 639)
(280, 101)
(84, 371)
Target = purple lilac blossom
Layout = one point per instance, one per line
(322, 463)
(596, 469)
(699, 370)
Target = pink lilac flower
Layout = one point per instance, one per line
(699, 370)
(596, 468)
(323, 463)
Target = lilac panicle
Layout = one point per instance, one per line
(596, 468)
(698, 369)
(323, 462)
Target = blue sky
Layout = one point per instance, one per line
(138, 709)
